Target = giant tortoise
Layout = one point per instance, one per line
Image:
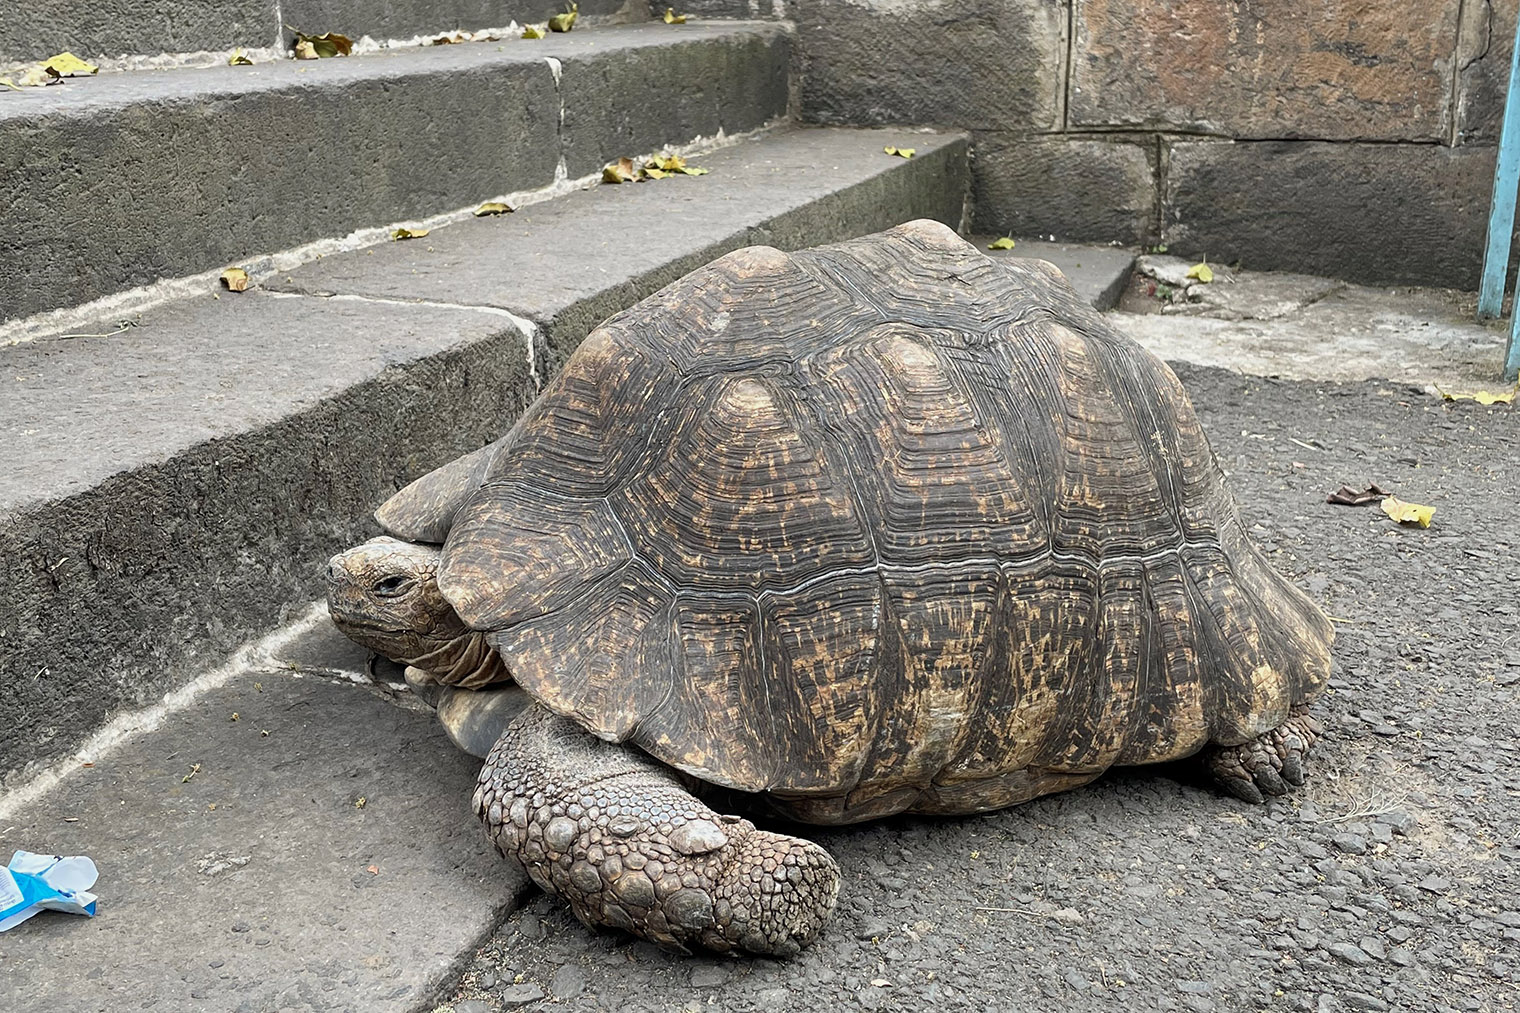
(881, 527)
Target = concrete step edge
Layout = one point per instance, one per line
(130, 35)
(211, 166)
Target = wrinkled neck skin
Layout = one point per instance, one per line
(454, 655)
(467, 661)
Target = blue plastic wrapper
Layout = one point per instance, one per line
(33, 883)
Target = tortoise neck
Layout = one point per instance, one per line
(467, 661)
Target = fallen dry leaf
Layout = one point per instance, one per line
(236, 279)
(566, 21)
(12, 85)
(1408, 513)
(373, 870)
(1347, 496)
(1483, 397)
(69, 65)
(237, 59)
(900, 152)
(400, 234)
(1005, 243)
(672, 18)
(621, 171)
(493, 207)
(535, 32)
(1201, 272)
(451, 40)
(650, 173)
(328, 44)
(39, 75)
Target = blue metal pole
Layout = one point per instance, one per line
(1512, 355)
(1501, 216)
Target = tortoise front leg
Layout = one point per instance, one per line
(617, 836)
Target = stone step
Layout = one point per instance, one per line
(169, 488)
(41, 28)
(1098, 273)
(121, 180)
(281, 841)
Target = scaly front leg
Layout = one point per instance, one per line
(616, 835)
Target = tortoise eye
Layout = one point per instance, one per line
(394, 587)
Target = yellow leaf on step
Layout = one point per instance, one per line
(672, 18)
(1201, 272)
(236, 279)
(1408, 513)
(621, 171)
(69, 65)
(400, 234)
(535, 32)
(493, 207)
(901, 152)
(324, 46)
(566, 21)
(1006, 243)
(237, 59)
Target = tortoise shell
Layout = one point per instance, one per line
(878, 526)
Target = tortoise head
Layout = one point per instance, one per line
(384, 594)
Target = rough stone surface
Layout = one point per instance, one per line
(1071, 188)
(1100, 274)
(1302, 328)
(267, 157)
(732, 83)
(403, 19)
(167, 489)
(579, 259)
(727, 8)
(332, 863)
(1487, 40)
(1164, 284)
(984, 66)
(37, 29)
(1173, 882)
(1348, 69)
(1374, 213)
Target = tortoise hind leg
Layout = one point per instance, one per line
(1269, 764)
(617, 836)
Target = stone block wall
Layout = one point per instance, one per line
(1347, 137)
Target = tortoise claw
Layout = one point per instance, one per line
(1242, 788)
(1270, 764)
